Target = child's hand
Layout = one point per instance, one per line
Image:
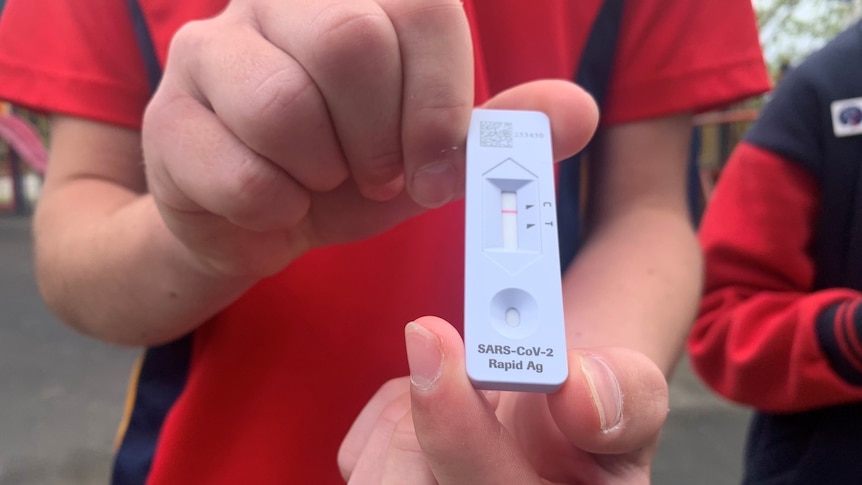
(441, 430)
(282, 126)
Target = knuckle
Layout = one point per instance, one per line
(404, 438)
(160, 184)
(279, 95)
(254, 184)
(382, 168)
(441, 110)
(349, 26)
(190, 38)
(442, 102)
(394, 412)
(157, 170)
(161, 117)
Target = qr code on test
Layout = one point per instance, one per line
(496, 134)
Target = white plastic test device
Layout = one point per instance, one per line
(513, 309)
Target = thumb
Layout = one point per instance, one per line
(623, 398)
(457, 430)
(573, 112)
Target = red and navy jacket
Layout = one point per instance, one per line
(780, 324)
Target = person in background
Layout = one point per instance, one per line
(267, 222)
(779, 326)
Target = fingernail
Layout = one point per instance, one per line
(424, 356)
(604, 391)
(434, 185)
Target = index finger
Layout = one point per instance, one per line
(437, 64)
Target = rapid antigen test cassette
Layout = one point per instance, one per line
(513, 310)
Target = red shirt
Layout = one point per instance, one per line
(276, 379)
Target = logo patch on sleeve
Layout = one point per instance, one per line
(847, 117)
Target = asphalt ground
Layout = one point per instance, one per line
(62, 395)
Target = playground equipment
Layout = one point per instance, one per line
(19, 184)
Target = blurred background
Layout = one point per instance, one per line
(62, 395)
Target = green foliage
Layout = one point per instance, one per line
(791, 29)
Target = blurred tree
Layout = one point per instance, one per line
(791, 29)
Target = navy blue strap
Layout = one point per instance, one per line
(160, 381)
(145, 45)
(164, 370)
(594, 74)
